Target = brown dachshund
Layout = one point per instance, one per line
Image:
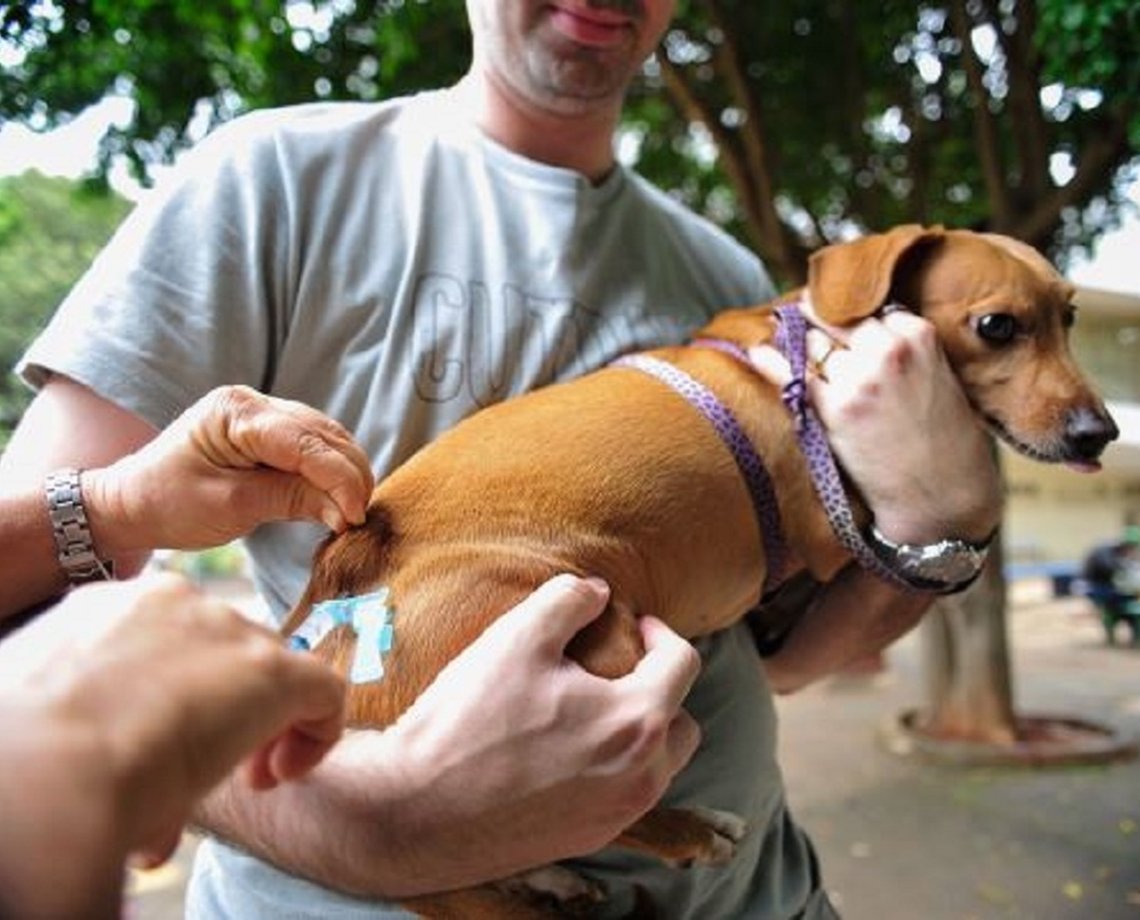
(615, 475)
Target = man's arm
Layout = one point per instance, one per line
(900, 426)
(233, 460)
(66, 425)
(462, 789)
(514, 757)
(854, 616)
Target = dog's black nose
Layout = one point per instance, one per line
(1089, 431)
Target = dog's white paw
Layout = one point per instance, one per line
(728, 830)
(555, 884)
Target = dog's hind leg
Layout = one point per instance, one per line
(686, 837)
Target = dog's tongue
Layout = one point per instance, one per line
(1083, 466)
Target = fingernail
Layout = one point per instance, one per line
(333, 519)
(598, 584)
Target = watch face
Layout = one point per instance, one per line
(946, 564)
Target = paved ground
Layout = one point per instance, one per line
(902, 839)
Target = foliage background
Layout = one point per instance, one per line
(50, 229)
(793, 123)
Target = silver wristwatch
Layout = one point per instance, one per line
(74, 547)
(944, 567)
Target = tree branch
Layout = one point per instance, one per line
(695, 110)
(853, 92)
(770, 237)
(985, 125)
(1023, 70)
(1096, 163)
(727, 62)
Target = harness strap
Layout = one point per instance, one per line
(732, 435)
(791, 339)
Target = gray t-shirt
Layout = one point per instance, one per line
(393, 267)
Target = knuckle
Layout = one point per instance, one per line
(690, 660)
(568, 584)
(637, 741)
(300, 500)
(310, 444)
(921, 333)
(234, 399)
(263, 653)
(169, 584)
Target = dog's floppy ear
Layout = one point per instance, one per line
(850, 281)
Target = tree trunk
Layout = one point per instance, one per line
(969, 693)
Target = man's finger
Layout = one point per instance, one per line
(670, 661)
(557, 611)
(770, 364)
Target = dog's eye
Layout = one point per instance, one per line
(997, 328)
(1070, 318)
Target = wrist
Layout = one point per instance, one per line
(119, 535)
(345, 826)
(385, 847)
(71, 528)
(112, 530)
(970, 521)
(944, 566)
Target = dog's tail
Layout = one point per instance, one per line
(348, 563)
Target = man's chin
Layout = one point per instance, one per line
(581, 81)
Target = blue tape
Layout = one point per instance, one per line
(370, 618)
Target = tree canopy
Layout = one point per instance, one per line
(50, 230)
(792, 123)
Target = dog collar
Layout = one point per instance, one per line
(732, 435)
(791, 340)
(370, 618)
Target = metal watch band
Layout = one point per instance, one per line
(945, 567)
(75, 549)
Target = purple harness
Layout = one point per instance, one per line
(791, 339)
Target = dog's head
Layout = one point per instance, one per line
(1003, 316)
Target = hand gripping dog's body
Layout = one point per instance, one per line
(618, 475)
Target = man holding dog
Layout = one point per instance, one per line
(128, 701)
(397, 266)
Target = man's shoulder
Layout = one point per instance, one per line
(323, 123)
(316, 144)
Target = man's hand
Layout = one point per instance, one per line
(171, 689)
(232, 461)
(900, 425)
(544, 744)
(515, 756)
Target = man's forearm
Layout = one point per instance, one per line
(29, 550)
(855, 615)
(29, 553)
(349, 826)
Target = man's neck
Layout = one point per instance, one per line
(581, 142)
